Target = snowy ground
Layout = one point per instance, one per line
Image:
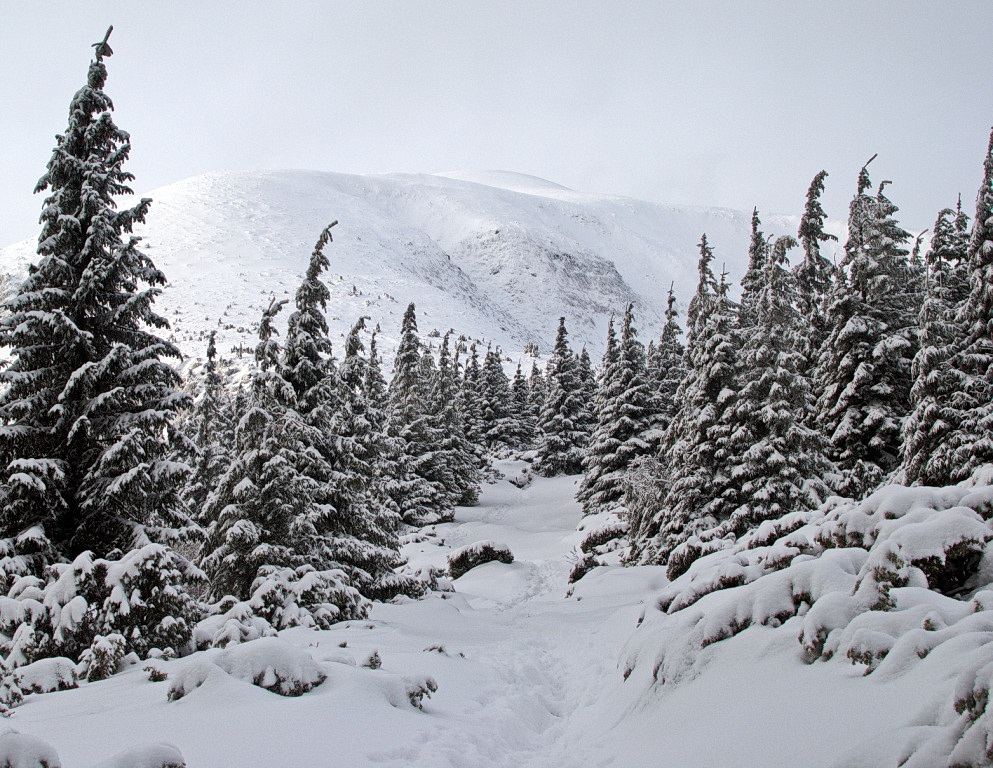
(529, 673)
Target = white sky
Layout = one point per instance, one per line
(713, 103)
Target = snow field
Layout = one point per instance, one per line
(532, 671)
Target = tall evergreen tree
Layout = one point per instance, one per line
(972, 363)
(419, 492)
(927, 449)
(814, 273)
(87, 401)
(624, 408)
(751, 283)
(863, 372)
(565, 416)
(775, 460)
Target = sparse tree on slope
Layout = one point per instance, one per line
(87, 402)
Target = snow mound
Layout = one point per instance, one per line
(18, 750)
(464, 559)
(900, 583)
(268, 663)
(146, 756)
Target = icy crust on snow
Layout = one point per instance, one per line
(899, 581)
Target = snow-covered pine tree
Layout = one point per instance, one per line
(927, 449)
(814, 274)
(666, 371)
(500, 430)
(365, 520)
(972, 440)
(212, 423)
(624, 409)
(564, 417)
(751, 283)
(258, 503)
(863, 373)
(419, 493)
(524, 413)
(87, 401)
(458, 454)
(689, 463)
(775, 460)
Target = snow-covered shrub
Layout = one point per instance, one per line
(47, 675)
(269, 663)
(885, 584)
(19, 750)
(464, 559)
(146, 756)
(103, 658)
(141, 597)
(288, 597)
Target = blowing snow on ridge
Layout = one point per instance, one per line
(497, 256)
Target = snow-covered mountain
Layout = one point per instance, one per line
(497, 256)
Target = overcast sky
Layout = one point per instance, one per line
(713, 103)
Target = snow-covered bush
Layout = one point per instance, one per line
(19, 750)
(142, 597)
(103, 658)
(146, 756)
(269, 663)
(281, 598)
(883, 584)
(463, 560)
(47, 675)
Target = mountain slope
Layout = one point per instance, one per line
(494, 255)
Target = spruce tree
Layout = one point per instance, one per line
(863, 373)
(565, 416)
(500, 430)
(418, 491)
(927, 450)
(814, 274)
(455, 450)
(524, 412)
(751, 283)
(775, 460)
(624, 408)
(972, 362)
(87, 401)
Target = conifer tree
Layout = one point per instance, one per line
(751, 283)
(814, 274)
(212, 424)
(624, 408)
(87, 401)
(455, 450)
(972, 363)
(500, 429)
(564, 418)
(524, 412)
(666, 371)
(418, 491)
(863, 372)
(775, 461)
(927, 449)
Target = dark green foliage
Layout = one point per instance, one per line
(86, 402)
